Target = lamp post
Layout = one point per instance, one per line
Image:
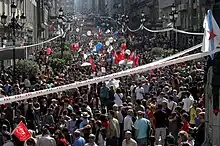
(13, 25)
(62, 25)
(173, 17)
(125, 21)
(143, 20)
(3, 21)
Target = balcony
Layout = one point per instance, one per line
(182, 7)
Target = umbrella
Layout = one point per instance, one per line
(86, 64)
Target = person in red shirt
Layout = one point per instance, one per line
(185, 122)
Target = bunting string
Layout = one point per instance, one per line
(134, 30)
(164, 30)
(33, 45)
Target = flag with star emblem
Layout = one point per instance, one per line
(211, 39)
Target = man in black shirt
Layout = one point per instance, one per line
(160, 125)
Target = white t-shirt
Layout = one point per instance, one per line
(187, 102)
(118, 98)
(172, 105)
(139, 93)
(128, 123)
(146, 88)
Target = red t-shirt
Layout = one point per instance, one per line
(185, 127)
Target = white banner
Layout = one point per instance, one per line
(156, 64)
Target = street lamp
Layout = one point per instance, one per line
(3, 19)
(13, 8)
(61, 12)
(143, 20)
(143, 17)
(23, 18)
(13, 25)
(173, 17)
(62, 25)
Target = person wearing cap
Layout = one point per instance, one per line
(91, 141)
(128, 141)
(142, 129)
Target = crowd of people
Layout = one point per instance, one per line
(164, 106)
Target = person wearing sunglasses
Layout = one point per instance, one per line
(91, 140)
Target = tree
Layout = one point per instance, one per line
(25, 68)
(57, 64)
(67, 56)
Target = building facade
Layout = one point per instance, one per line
(28, 34)
(148, 7)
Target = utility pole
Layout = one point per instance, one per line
(212, 94)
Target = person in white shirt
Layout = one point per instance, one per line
(139, 91)
(146, 87)
(118, 97)
(128, 141)
(171, 104)
(187, 101)
(128, 123)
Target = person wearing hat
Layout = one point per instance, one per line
(128, 141)
(91, 141)
(85, 120)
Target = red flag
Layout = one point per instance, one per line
(123, 46)
(136, 61)
(131, 57)
(92, 64)
(121, 55)
(76, 46)
(21, 132)
(115, 57)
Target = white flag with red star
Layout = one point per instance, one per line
(211, 39)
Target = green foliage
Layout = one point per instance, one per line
(57, 64)
(67, 56)
(157, 51)
(161, 52)
(24, 68)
